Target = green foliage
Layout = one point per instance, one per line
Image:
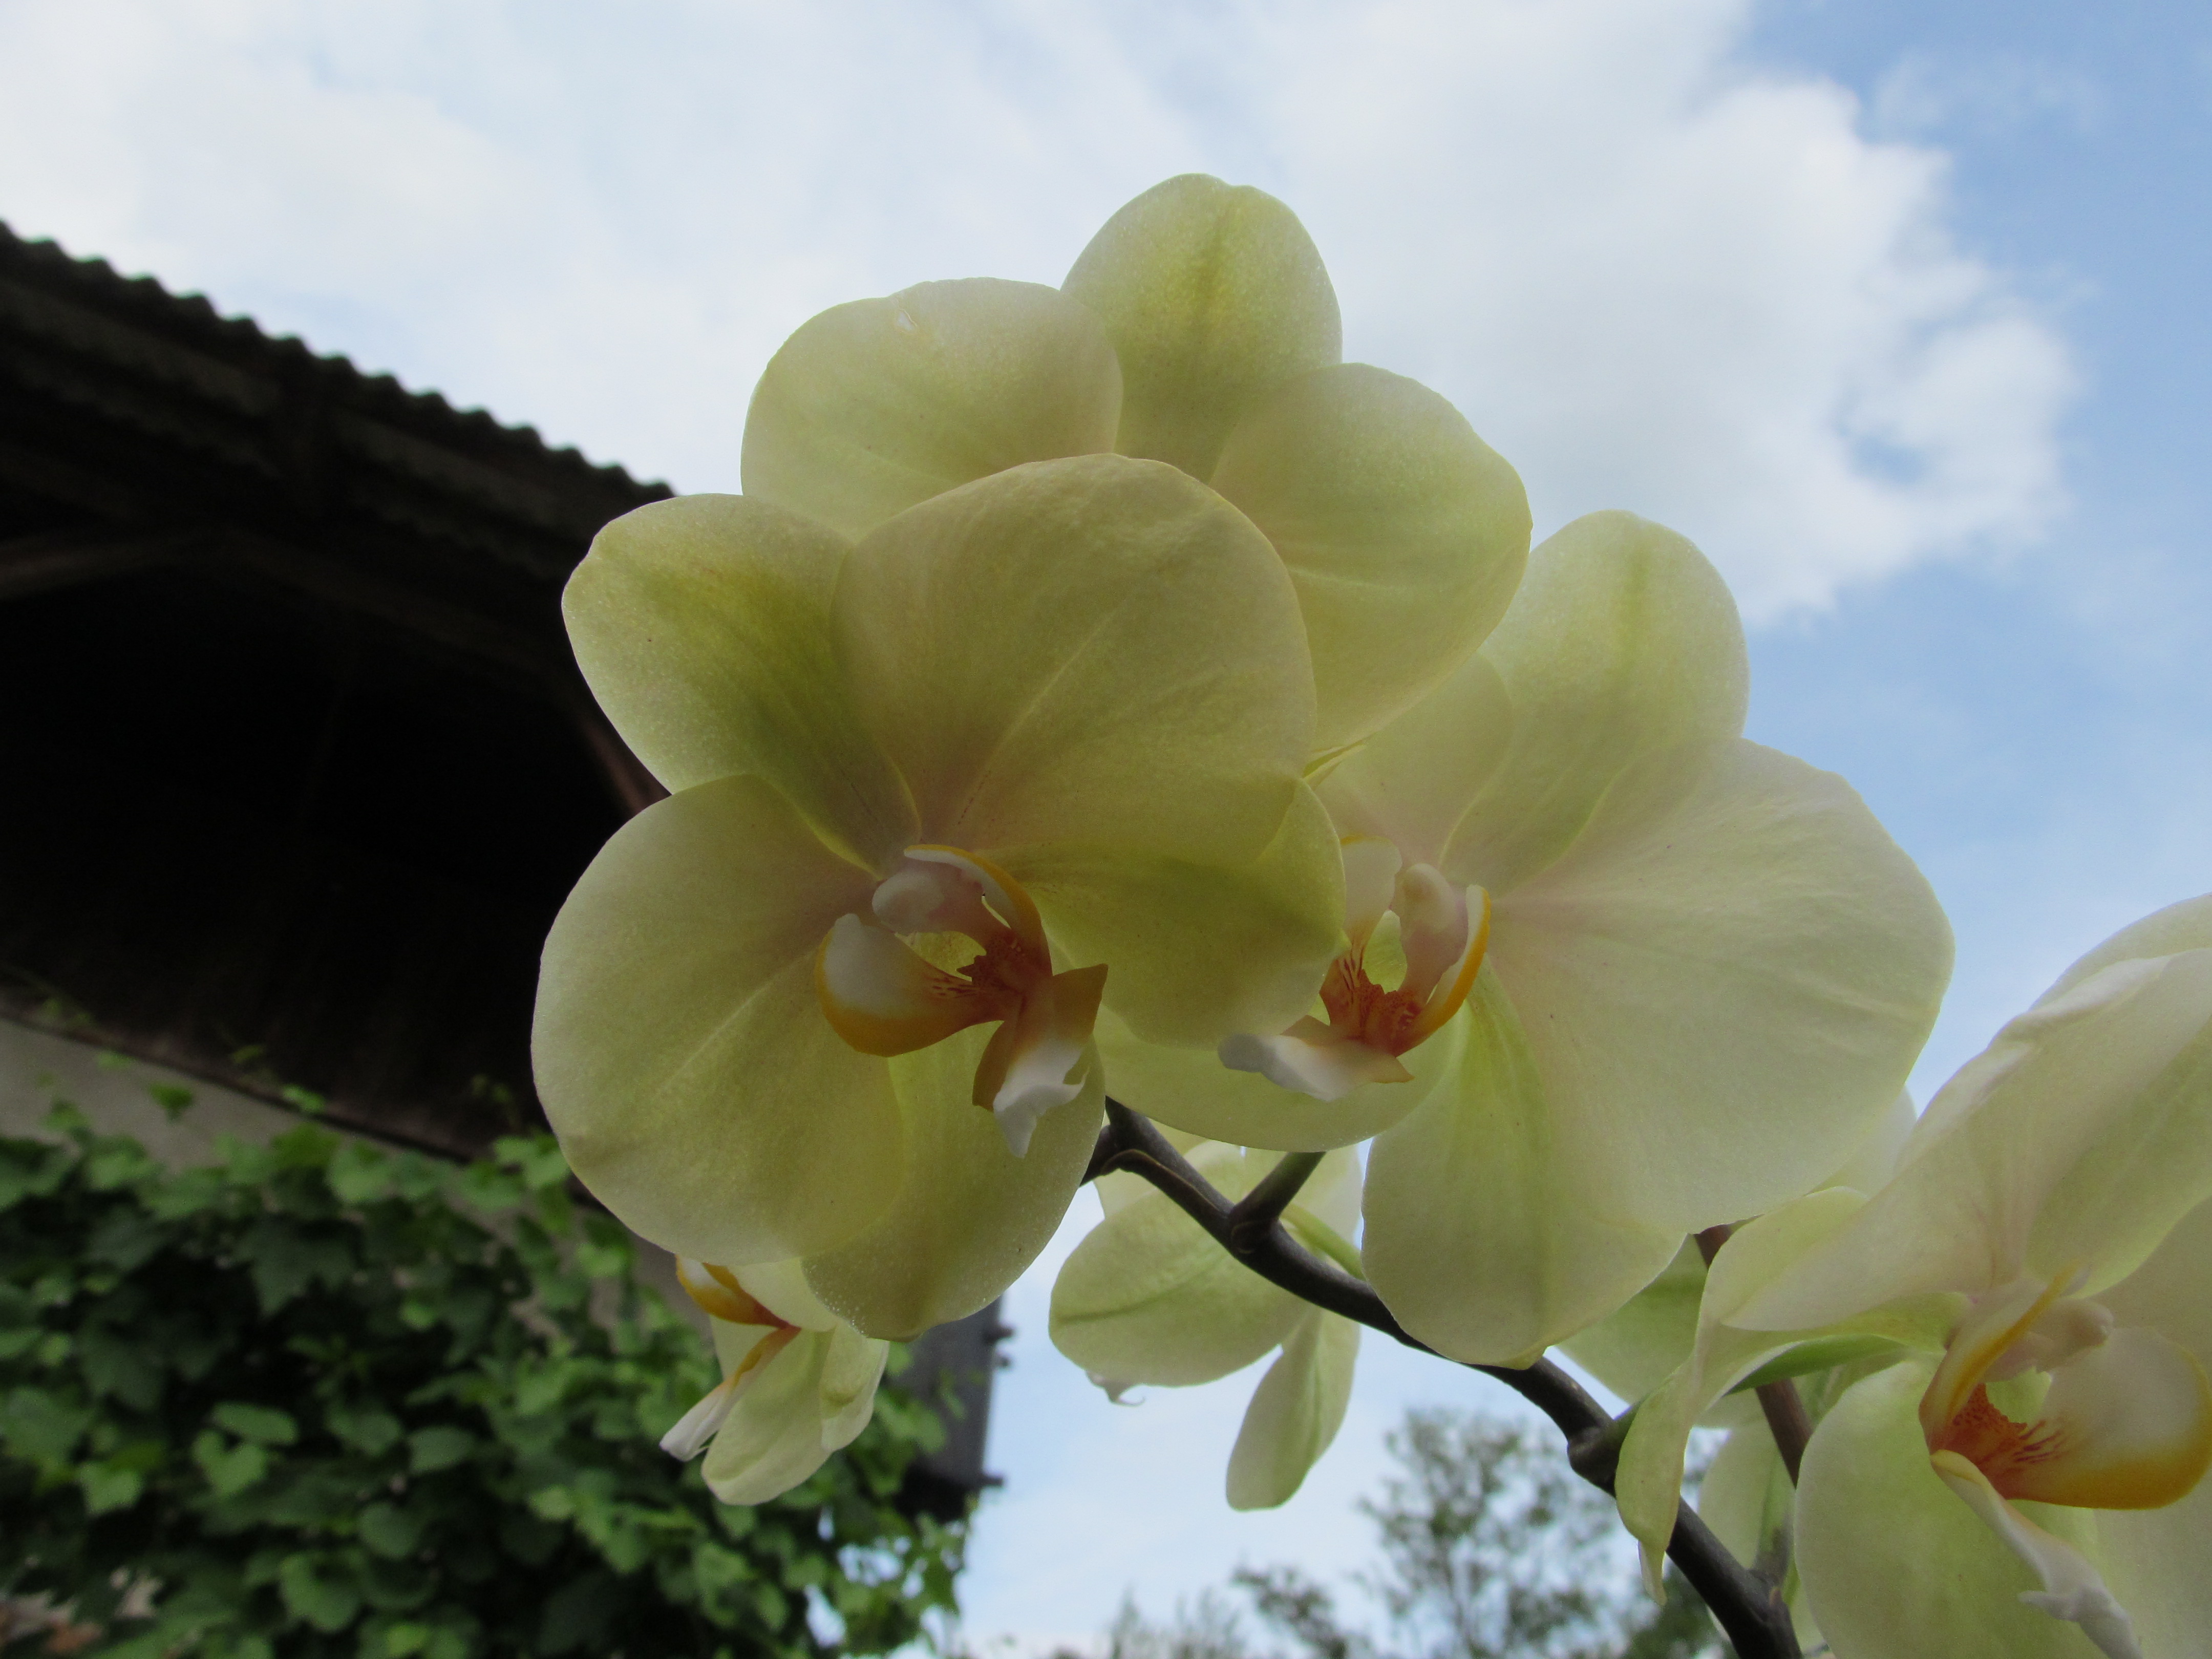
(1490, 1549)
(323, 1399)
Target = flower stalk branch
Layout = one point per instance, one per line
(1752, 1614)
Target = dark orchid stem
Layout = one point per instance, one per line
(1787, 1419)
(1253, 1215)
(1749, 1609)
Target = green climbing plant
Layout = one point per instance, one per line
(320, 1398)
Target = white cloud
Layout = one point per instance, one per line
(1654, 277)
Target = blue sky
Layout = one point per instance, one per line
(1897, 309)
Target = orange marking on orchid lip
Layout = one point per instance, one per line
(724, 1298)
(1362, 1010)
(2002, 1449)
(1964, 1366)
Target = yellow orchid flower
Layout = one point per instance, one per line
(1613, 974)
(799, 1382)
(1034, 740)
(1198, 328)
(1148, 1298)
(2046, 1240)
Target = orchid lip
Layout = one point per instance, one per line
(884, 998)
(1446, 934)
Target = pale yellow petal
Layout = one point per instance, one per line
(1724, 995)
(2070, 1586)
(1295, 1413)
(1480, 1234)
(1649, 1482)
(1405, 532)
(851, 1368)
(968, 1215)
(1622, 642)
(875, 405)
(2159, 1564)
(679, 1047)
(1195, 951)
(702, 627)
(772, 1439)
(780, 1287)
(1149, 1297)
(2131, 1425)
(1634, 1349)
(2079, 1141)
(1212, 295)
(1894, 1564)
(1096, 651)
(1193, 1090)
(1412, 782)
(2168, 1293)
(2168, 932)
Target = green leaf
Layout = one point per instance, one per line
(119, 1363)
(109, 1486)
(319, 1589)
(125, 1239)
(360, 1173)
(229, 1469)
(262, 1425)
(43, 1427)
(31, 1169)
(389, 1530)
(431, 1449)
(174, 1099)
(365, 1427)
(536, 1158)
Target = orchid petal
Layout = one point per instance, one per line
(1480, 1238)
(1370, 882)
(1193, 1090)
(1212, 295)
(1311, 1060)
(780, 1287)
(2159, 1564)
(1295, 1413)
(699, 1425)
(1622, 643)
(1894, 1565)
(872, 406)
(702, 627)
(2079, 1140)
(678, 1046)
(968, 1215)
(884, 999)
(1722, 995)
(2131, 1428)
(1148, 1296)
(1096, 653)
(1649, 1482)
(2186, 926)
(2072, 1590)
(773, 1437)
(1042, 1060)
(2166, 1294)
(1404, 533)
(1198, 950)
(1412, 782)
(851, 1368)
(1634, 1349)
(1746, 1496)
